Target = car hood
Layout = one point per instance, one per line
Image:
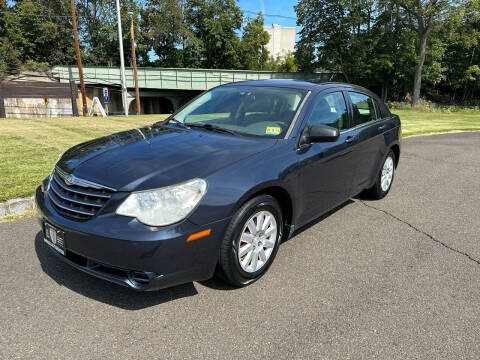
(155, 156)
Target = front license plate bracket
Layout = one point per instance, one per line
(54, 237)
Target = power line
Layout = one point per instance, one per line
(270, 15)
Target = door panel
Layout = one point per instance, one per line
(326, 169)
(325, 175)
(368, 150)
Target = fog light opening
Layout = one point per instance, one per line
(141, 277)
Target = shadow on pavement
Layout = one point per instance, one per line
(101, 290)
(217, 284)
(116, 295)
(319, 219)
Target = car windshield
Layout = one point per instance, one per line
(245, 110)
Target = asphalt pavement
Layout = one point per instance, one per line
(397, 278)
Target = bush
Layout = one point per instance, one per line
(428, 106)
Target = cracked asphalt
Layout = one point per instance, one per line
(391, 279)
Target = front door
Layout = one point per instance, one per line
(326, 169)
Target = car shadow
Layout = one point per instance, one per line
(122, 297)
(217, 284)
(364, 195)
(319, 219)
(101, 290)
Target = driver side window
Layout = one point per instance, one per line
(329, 109)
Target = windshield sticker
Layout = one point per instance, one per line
(273, 130)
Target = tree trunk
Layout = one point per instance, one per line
(384, 92)
(347, 78)
(417, 81)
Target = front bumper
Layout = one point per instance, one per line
(122, 250)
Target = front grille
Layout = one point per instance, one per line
(74, 201)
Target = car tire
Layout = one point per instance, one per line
(385, 178)
(247, 251)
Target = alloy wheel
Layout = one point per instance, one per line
(387, 173)
(257, 241)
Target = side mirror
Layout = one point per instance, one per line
(320, 133)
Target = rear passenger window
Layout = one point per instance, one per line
(363, 108)
(382, 111)
(329, 109)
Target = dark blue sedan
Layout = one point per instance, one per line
(217, 186)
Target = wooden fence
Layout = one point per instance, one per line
(36, 90)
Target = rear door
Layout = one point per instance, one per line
(369, 145)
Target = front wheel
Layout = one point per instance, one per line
(251, 241)
(385, 178)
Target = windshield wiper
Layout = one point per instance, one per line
(213, 128)
(172, 119)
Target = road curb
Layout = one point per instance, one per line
(16, 206)
(440, 133)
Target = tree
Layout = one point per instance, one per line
(164, 30)
(9, 58)
(462, 54)
(324, 36)
(282, 63)
(335, 35)
(214, 25)
(423, 16)
(98, 31)
(254, 39)
(376, 43)
(39, 32)
(288, 64)
(167, 33)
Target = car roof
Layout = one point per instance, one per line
(296, 84)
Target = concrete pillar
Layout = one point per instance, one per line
(176, 102)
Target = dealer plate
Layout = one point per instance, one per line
(54, 237)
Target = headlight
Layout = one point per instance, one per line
(164, 206)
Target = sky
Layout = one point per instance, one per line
(272, 7)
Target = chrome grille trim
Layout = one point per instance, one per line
(76, 199)
(81, 192)
(71, 179)
(71, 199)
(69, 209)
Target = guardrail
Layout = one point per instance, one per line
(178, 79)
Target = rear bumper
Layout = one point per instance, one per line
(122, 250)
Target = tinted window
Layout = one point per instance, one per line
(363, 108)
(382, 110)
(329, 110)
(248, 110)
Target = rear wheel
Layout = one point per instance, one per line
(251, 241)
(385, 178)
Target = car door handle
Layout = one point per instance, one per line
(382, 127)
(349, 139)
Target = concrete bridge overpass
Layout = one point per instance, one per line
(163, 90)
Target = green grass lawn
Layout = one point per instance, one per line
(417, 122)
(30, 147)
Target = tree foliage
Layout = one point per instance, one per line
(34, 32)
(394, 46)
(165, 32)
(254, 39)
(97, 21)
(214, 23)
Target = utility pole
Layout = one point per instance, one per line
(134, 61)
(79, 59)
(122, 62)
